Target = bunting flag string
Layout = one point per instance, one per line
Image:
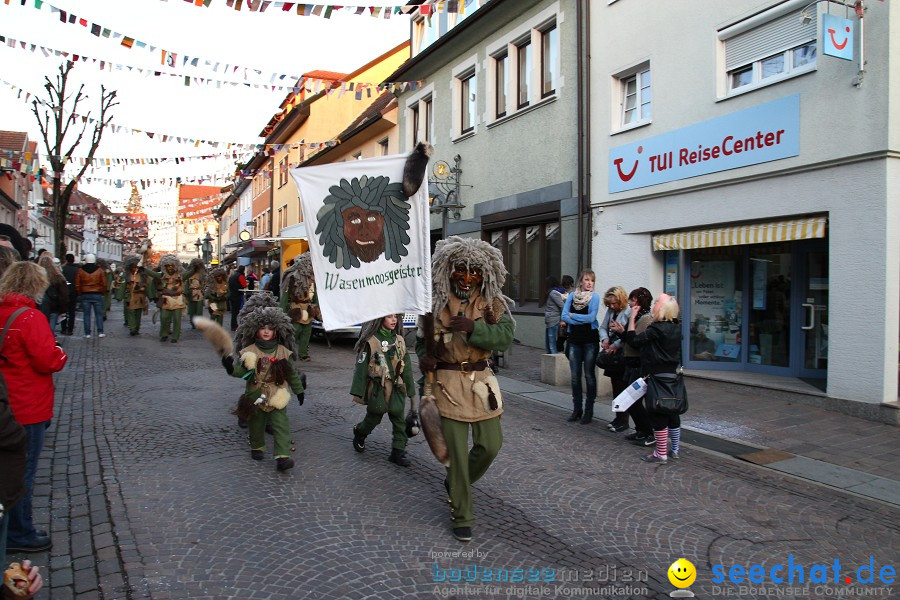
(27, 97)
(327, 10)
(115, 162)
(309, 85)
(171, 59)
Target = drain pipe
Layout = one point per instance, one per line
(579, 66)
(586, 167)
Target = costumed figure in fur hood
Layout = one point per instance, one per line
(298, 300)
(103, 265)
(265, 343)
(170, 294)
(470, 320)
(382, 380)
(194, 281)
(216, 292)
(133, 291)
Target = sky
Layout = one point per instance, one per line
(274, 42)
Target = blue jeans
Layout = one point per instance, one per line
(581, 359)
(21, 527)
(91, 302)
(550, 339)
(52, 318)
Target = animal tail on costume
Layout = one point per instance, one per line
(245, 408)
(155, 314)
(415, 168)
(430, 418)
(215, 333)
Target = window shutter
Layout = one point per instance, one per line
(769, 38)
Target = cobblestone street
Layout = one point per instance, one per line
(148, 489)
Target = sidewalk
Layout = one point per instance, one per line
(755, 425)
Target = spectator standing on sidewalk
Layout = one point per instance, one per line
(580, 315)
(617, 311)
(70, 271)
(382, 381)
(275, 279)
(8, 255)
(552, 309)
(31, 356)
(640, 301)
(236, 283)
(56, 298)
(90, 283)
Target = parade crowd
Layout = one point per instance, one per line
(269, 337)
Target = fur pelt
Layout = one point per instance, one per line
(370, 328)
(215, 333)
(209, 286)
(257, 300)
(430, 418)
(470, 251)
(169, 259)
(296, 279)
(130, 260)
(415, 168)
(250, 322)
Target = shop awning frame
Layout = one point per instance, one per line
(785, 230)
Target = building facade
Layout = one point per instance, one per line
(499, 102)
(743, 161)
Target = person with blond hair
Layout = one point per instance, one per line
(580, 315)
(56, 298)
(617, 311)
(660, 348)
(30, 357)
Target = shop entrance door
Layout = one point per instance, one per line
(812, 309)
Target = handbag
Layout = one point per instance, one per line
(666, 393)
(612, 361)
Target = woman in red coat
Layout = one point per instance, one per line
(28, 358)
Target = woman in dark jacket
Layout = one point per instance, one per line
(56, 298)
(640, 300)
(660, 348)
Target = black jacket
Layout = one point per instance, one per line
(12, 453)
(660, 346)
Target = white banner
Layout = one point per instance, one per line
(369, 243)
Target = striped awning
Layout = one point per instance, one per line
(787, 230)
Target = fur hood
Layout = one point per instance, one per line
(250, 322)
(169, 259)
(297, 277)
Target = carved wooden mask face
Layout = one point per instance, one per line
(364, 232)
(465, 279)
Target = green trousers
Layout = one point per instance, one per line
(375, 410)
(195, 309)
(133, 319)
(281, 429)
(467, 466)
(217, 318)
(170, 321)
(302, 333)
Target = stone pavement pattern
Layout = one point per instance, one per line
(149, 491)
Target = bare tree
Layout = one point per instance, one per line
(54, 122)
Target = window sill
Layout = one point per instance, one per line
(763, 84)
(463, 137)
(631, 126)
(522, 111)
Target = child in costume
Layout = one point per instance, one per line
(265, 339)
(299, 301)
(382, 381)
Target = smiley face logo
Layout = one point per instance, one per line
(840, 46)
(627, 176)
(682, 573)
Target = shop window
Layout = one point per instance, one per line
(530, 253)
(716, 299)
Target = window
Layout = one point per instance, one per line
(414, 123)
(531, 252)
(419, 118)
(283, 172)
(768, 48)
(523, 66)
(501, 80)
(467, 102)
(523, 74)
(429, 119)
(383, 147)
(636, 98)
(549, 60)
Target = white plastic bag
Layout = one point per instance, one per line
(630, 395)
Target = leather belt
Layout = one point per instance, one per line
(465, 366)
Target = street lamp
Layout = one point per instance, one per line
(198, 243)
(443, 192)
(207, 248)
